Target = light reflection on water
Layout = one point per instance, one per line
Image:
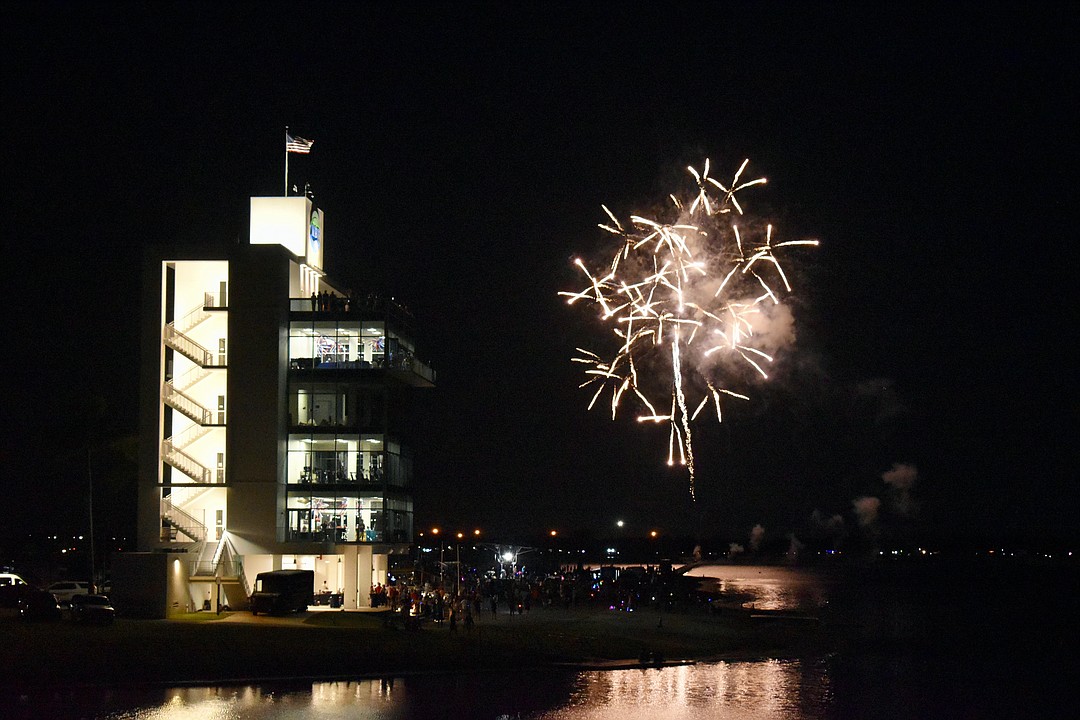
(767, 587)
(792, 690)
(769, 689)
(922, 641)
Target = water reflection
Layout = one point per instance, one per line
(792, 690)
(771, 689)
(767, 587)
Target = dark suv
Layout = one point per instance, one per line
(92, 609)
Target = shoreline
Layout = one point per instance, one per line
(235, 650)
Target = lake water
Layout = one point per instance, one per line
(948, 641)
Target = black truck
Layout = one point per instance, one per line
(279, 592)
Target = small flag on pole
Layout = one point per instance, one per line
(297, 144)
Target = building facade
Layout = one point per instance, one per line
(275, 417)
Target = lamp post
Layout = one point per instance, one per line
(457, 590)
(90, 479)
(435, 531)
(554, 559)
(418, 573)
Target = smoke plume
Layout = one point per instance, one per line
(900, 480)
(757, 534)
(866, 511)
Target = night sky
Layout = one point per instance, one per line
(462, 153)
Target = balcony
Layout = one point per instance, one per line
(403, 365)
(344, 535)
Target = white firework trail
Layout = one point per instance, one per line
(695, 283)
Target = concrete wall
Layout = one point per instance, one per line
(151, 375)
(180, 599)
(140, 584)
(258, 330)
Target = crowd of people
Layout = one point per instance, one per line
(413, 605)
(329, 301)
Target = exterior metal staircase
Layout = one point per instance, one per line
(173, 518)
(183, 462)
(176, 338)
(185, 494)
(172, 452)
(186, 404)
(188, 379)
(219, 563)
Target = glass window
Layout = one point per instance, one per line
(322, 405)
(322, 459)
(338, 518)
(350, 344)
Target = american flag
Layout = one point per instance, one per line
(297, 144)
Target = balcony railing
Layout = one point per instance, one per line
(400, 360)
(187, 347)
(186, 464)
(215, 301)
(342, 536)
(371, 306)
(187, 405)
(233, 568)
(173, 520)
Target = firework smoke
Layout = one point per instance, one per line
(866, 511)
(901, 479)
(757, 535)
(693, 300)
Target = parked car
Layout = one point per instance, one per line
(11, 589)
(92, 609)
(37, 604)
(10, 579)
(67, 589)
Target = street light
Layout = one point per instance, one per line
(435, 531)
(457, 547)
(553, 559)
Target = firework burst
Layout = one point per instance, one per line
(689, 299)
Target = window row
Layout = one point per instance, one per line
(349, 345)
(336, 518)
(347, 459)
(326, 405)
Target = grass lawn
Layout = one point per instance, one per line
(237, 646)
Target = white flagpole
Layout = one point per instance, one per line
(286, 161)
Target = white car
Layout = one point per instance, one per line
(12, 588)
(11, 579)
(67, 589)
